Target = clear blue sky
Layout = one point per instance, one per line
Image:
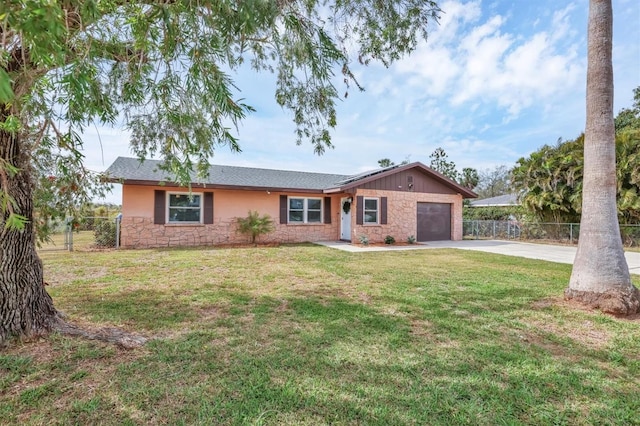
(495, 81)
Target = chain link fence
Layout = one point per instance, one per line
(565, 233)
(60, 236)
(83, 234)
(105, 230)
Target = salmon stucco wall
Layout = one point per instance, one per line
(402, 217)
(139, 231)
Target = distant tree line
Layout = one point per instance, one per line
(549, 181)
(439, 161)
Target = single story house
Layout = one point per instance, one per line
(400, 201)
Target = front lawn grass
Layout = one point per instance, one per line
(308, 335)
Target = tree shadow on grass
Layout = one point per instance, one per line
(144, 309)
(333, 361)
(314, 360)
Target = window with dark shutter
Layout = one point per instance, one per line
(371, 210)
(327, 209)
(383, 210)
(184, 207)
(359, 209)
(159, 205)
(283, 209)
(208, 208)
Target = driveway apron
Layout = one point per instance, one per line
(549, 252)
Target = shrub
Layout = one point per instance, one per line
(492, 213)
(364, 240)
(255, 225)
(411, 239)
(104, 233)
(389, 240)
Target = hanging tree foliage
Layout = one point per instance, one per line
(165, 68)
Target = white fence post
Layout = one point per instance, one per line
(571, 233)
(68, 234)
(118, 221)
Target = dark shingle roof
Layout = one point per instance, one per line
(499, 201)
(131, 169)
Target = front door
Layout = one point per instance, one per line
(345, 219)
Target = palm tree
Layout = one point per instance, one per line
(255, 225)
(600, 276)
(549, 181)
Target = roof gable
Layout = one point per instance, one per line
(368, 177)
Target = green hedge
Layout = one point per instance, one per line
(492, 213)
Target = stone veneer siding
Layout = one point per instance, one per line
(141, 232)
(402, 215)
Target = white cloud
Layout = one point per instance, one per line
(473, 59)
(456, 14)
(438, 70)
(482, 51)
(561, 23)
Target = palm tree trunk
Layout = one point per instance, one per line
(26, 309)
(600, 276)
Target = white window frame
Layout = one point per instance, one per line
(200, 208)
(365, 210)
(305, 210)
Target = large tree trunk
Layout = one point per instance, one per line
(26, 309)
(600, 276)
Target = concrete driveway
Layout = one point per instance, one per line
(549, 252)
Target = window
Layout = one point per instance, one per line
(370, 210)
(305, 210)
(184, 208)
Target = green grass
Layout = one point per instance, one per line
(308, 335)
